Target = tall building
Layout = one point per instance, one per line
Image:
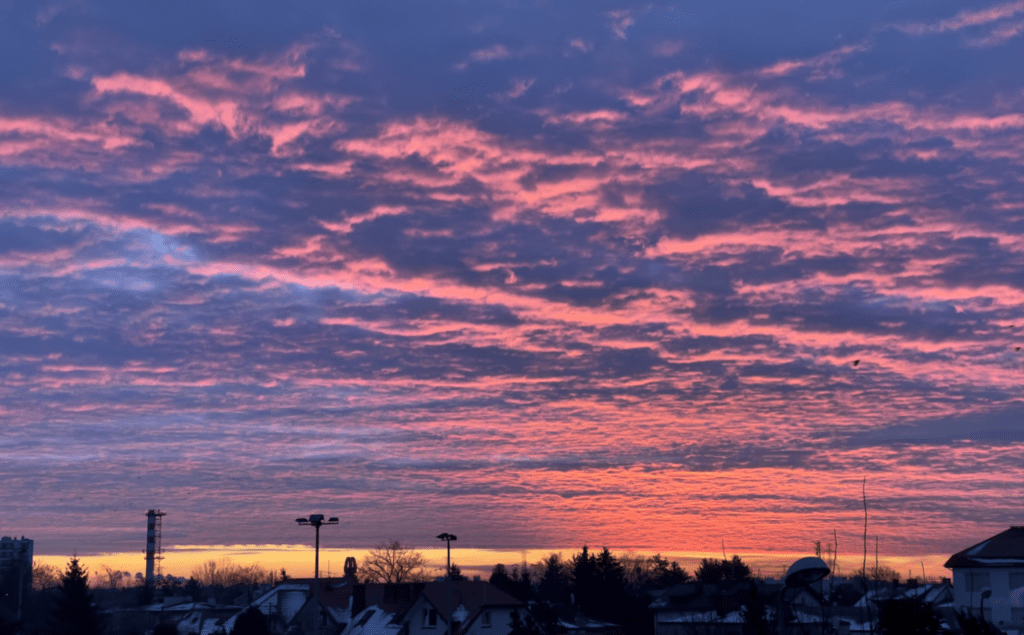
(15, 572)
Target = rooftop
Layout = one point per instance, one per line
(1005, 549)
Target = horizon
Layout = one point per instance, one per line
(534, 273)
(296, 559)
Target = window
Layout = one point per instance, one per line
(430, 618)
(1016, 580)
(976, 581)
(485, 619)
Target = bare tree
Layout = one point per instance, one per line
(113, 579)
(636, 568)
(45, 576)
(391, 562)
(224, 572)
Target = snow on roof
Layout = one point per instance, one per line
(372, 619)
(1005, 549)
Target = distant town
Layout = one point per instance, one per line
(591, 592)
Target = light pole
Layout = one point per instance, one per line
(316, 520)
(802, 573)
(448, 538)
(987, 593)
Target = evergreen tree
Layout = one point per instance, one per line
(73, 611)
(194, 589)
(515, 581)
(584, 579)
(455, 573)
(712, 570)
(554, 584)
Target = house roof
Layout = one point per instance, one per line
(474, 595)
(1005, 549)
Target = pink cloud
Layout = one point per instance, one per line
(620, 21)
(493, 52)
(964, 19)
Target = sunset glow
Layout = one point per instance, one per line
(545, 274)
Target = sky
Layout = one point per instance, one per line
(675, 277)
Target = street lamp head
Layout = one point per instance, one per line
(986, 594)
(333, 520)
(806, 571)
(446, 536)
(302, 521)
(316, 519)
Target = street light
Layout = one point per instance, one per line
(987, 593)
(803, 572)
(316, 520)
(448, 538)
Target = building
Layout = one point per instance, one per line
(992, 573)
(695, 608)
(477, 607)
(15, 573)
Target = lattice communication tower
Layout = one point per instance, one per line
(154, 554)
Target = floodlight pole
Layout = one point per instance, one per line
(802, 573)
(447, 537)
(316, 520)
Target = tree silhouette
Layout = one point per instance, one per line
(73, 611)
(554, 582)
(45, 576)
(514, 580)
(251, 622)
(391, 562)
(194, 589)
(455, 573)
(712, 570)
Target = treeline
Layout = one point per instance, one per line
(64, 602)
(602, 585)
(212, 573)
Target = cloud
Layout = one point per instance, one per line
(337, 252)
(964, 19)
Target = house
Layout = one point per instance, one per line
(862, 616)
(477, 608)
(696, 608)
(279, 605)
(992, 572)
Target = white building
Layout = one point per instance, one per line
(992, 573)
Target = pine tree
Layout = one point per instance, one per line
(73, 611)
